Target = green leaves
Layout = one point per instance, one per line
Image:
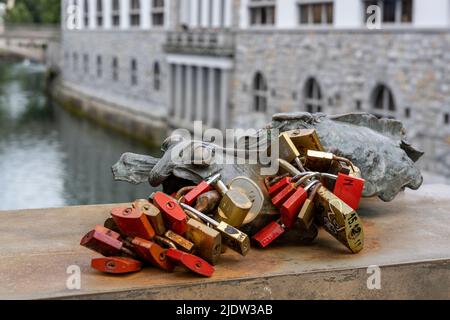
(35, 11)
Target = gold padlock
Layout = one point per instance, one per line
(304, 140)
(306, 215)
(153, 215)
(318, 160)
(182, 243)
(232, 237)
(287, 150)
(340, 220)
(234, 206)
(207, 241)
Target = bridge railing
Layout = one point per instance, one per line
(31, 30)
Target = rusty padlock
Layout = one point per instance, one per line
(174, 216)
(104, 244)
(151, 252)
(181, 243)
(116, 265)
(232, 237)
(132, 222)
(207, 241)
(291, 208)
(201, 188)
(269, 234)
(191, 262)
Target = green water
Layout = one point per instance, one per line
(51, 158)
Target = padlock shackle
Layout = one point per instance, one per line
(345, 160)
(221, 187)
(213, 178)
(313, 193)
(199, 214)
(311, 184)
(293, 171)
(305, 178)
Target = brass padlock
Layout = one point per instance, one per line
(232, 237)
(234, 206)
(182, 243)
(340, 220)
(207, 241)
(318, 160)
(248, 187)
(287, 149)
(306, 215)
(304, 140)
(153, 215)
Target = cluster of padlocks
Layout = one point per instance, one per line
(193, 227)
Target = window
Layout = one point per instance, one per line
(135, 13)
(99, 66)
(447, 118)
(99, 13)
(315, 12)
(392, 11)
(156, 77)
(116, 13)
(115, 69)
(262, 12)
(158, 12)
(259, 93)
(134, 67)
(75, 61)
(383, 102)
(86, 63)
(313, 96)
(407, 113)
(86, 13)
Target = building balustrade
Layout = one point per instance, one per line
(220, 43)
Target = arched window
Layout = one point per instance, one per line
(156, 76)
(313, 96)
(383, 103)
(259, 93)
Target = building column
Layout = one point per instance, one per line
(124, 14)
(107, 11)
(204, 21)
(178, 91)
(145, 14)
(224, 112)
(92, 14)
(216, 13)
(188, 88)
(211, 97)
(199, 114)
(80, 15)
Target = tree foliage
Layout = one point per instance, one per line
(35, 11)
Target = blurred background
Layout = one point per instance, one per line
(82, 81)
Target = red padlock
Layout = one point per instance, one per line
(174, 215)
(280, 185)
(107, 232)
(201, 188)
(290, 209)
(268, 234)
(152, 253)
(103, 244)
(132, 222)
(349, 189)
(193, 263)
(116, 265)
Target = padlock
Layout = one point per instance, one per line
(174, 216)
(132, 222)
(349, 189)
(104, 244)
(116, 265)
(234, 206)
(191, 262)
(254, 194)
(164, 242)
(291, 208)
(107, 232)
(154, 216)
(111, 225)
(280, 185)
(304, 140)
(268, 234)
(208, 201)
(181, 243)
(207, 241)
(289, 189)
(288, 151)
(340, 220)
(201, 188)
(232, 237)
(318, 160)
(151, 252)
(306, 215)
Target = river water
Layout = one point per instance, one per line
(51, 158)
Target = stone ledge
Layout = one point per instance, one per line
(407, 238)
